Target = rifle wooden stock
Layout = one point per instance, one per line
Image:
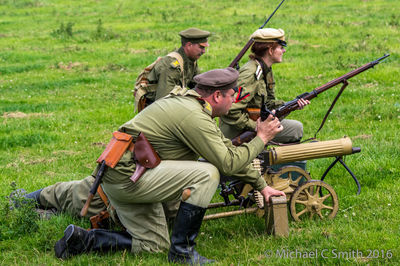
(235, 61)
(244, 137)
(93, 189)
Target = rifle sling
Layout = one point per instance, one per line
(102, 195)
(345, 83)
(263, 67)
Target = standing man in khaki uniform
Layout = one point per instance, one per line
(256, 79)
(169, 72)
(183, 131)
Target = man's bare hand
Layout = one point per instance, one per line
(268, 191)
(267, 129)
(301, 102)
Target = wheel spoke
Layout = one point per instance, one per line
(307, 193)
(304, 202)
(295, 182)
(317, 190)
(320, 215)
(322, 199)
(302, 212)
(327, 207)
(289, 175)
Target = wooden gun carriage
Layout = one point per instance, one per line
(305, 197)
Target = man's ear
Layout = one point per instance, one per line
(217, 96)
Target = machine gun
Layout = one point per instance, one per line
(306, 197)
(292, 105)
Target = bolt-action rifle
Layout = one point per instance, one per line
(235, 61)
(292, 105)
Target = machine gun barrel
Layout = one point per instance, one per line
(307, 151)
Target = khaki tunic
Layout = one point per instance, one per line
(167, 74)
(238, 120)
(181, 130)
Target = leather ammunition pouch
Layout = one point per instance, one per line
(254, 113)
(117, 146)
(145, 157)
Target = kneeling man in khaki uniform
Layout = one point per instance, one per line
(181, 128)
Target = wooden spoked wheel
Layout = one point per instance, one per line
(312, 199)
(295, 175)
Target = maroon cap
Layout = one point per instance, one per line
(217, 79)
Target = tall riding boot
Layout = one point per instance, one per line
(186, 228)
(77, 240)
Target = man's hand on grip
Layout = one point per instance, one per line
(267, 129)
(268, 192)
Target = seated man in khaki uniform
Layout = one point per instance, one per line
(183, 131)
(256, 79)
(177, 68)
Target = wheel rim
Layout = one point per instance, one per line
(307, 201)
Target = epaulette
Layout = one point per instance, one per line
(178, 90)
(175, 64)
(206, 106)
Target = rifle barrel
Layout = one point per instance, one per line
(346, 76)
(292, 105)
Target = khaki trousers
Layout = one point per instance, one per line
(71, 196)
(139, 205)
(292, 131)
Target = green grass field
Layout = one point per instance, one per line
(67, 70)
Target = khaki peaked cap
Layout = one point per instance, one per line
(269, 35)
(195, 35)
(217, 79)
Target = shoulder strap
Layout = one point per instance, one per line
(264, 72)
(102, 195)
(178, 57)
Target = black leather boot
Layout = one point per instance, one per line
(186, 228)
(77, 240)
